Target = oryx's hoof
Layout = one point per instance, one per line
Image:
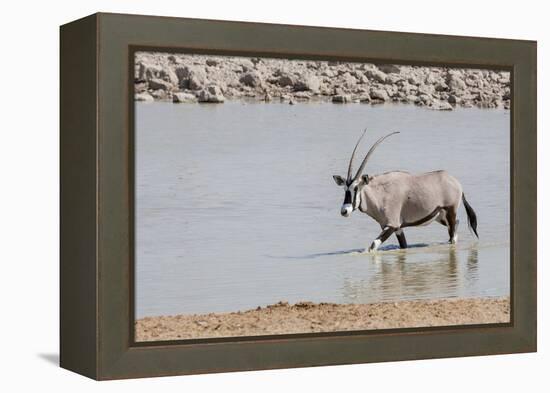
(374, 246)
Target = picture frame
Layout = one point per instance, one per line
(96, 196)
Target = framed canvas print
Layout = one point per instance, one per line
(240, 196)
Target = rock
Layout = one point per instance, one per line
(302, 95)
(455, 82)
(347, 81)
(197, 79)
(211, 94)
(341, 99)
(175, 76)
(246, 64)
(291, 102)
(325, 90)
(379, 94)
(441, 106)
(154, 72)
(183, 98)
(426, 89)
(361, 78)
(504, 78)
(159, 94)
(182, 72)
(473, 80)
(405, 87)
(169, 75)
(328, 73)
(494, 76)
(365, 99)
(414, 80)
(431, 79)
(145, 97)
(424, 99)
(376, 75)
(160, 84)
(251, 79)
(484, 100)
(389, 68)
(140, 86)
(441, 86)
(191, 77)
(149, 71)
(308, 82)
(285, 80)
(313, 65)
(393, 79)
(391, 90)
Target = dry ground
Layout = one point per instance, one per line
(307, 317)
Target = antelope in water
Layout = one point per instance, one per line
(398, 199)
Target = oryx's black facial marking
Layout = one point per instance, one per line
(352, 197)
(347, 197)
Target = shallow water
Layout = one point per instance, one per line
(236, 206)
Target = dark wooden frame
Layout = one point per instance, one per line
(96, 269)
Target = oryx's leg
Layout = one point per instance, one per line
(401, 238)
(452, 224)
(386, 232)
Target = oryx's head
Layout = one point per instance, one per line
(354, 184)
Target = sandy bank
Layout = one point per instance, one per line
(184, 78)
(306, 317)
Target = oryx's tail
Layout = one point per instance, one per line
(472, 218)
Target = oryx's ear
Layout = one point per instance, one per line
(365, 178)
(339, 180)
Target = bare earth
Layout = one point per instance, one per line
(307, 317)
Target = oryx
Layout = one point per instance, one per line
(398, 199)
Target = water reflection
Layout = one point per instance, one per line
(471, 266)
(406, 274)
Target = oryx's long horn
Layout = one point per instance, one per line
(353, 154)
(379, 141)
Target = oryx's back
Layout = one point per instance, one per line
(407, 198)
(437, 187)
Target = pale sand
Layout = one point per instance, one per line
(307, 317)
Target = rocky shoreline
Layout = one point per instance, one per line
(182, 78)
(308, 317)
